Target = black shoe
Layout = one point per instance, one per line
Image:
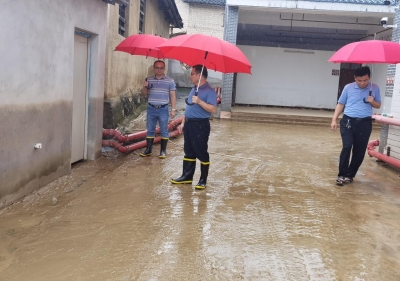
(340, 181)
(163, 150)
(189, 166)
(149, 147)
(204, 174)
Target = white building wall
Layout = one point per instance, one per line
(282, 78)
(206, 19)
(198, 19)
(394, 131)
(378, 77)
(36, 89)
(183, 9)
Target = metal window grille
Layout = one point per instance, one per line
(142, 15)
(122, 20)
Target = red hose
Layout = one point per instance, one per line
(119, 138)
(128, 148)
(124, 138)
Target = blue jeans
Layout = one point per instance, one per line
(157, 114)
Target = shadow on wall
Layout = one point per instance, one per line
(181, 75)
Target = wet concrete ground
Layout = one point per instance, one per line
(271, 211)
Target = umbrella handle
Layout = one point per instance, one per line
(148, 87)
(187, 101)
(370, 93)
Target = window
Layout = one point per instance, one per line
(122, 23)
(142, 15)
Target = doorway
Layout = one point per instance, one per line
(346, 75)
(79, 105)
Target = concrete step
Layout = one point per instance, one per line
(286, 119)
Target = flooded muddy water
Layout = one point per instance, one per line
(271, 211)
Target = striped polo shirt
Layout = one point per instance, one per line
(160, 88)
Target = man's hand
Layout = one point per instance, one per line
(145, 83)
(196, 99)
(370, 99)
(180, 127)
(172, 113)
(333, 125)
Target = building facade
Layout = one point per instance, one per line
(52, 90)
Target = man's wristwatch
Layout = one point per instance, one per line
(173, 109)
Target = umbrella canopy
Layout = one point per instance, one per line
(142, 45)
(370, 51)
(212, 52)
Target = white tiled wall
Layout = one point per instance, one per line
(394, 131)
(203, 19)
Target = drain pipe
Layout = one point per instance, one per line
(124, 138)
(128, 148)
(380, 156)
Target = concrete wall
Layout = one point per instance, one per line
(36, 89)
(183, 9)
(378, 77)
(288, 79)
(282, 78)
(394, 131)
(125, 73)
(198, 19)
(380, 73)
(393, 139)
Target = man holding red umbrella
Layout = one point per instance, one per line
(357, 100)
(196, 127)
(161, 90)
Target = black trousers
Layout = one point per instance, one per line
(355, 134)
(196, 134)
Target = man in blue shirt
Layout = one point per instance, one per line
(357, 100)
(196, 128)
(161, 90)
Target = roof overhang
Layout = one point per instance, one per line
(171, 12)
(309, 24)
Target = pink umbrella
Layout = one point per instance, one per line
(142, 45)
(370, 51)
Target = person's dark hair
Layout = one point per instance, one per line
(197, 68)
(154, 64)
(362, 71)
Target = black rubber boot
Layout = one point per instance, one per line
(149, 147)
(204, 174)
(163, 150)
(189, 166)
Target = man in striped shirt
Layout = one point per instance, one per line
(160, 90)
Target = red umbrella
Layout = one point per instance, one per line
(370, 51)
(209, 51)
(142, 45)
(212, 52)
